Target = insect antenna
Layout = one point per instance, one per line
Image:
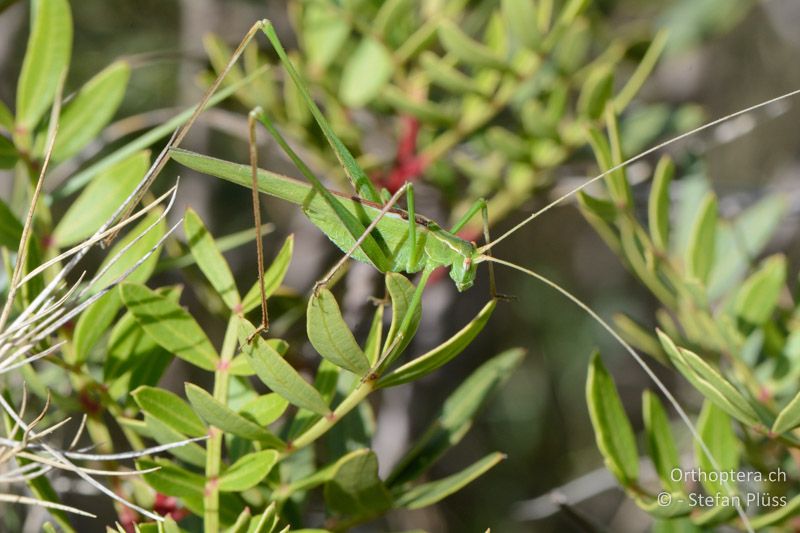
(640, 361)
(635, 158)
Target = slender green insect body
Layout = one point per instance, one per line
(435, 247)
(394, 240)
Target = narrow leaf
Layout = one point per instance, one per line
(279, 375)
(330, 335)
(789, 417)
(273, 276)
(430, 493)
(660, 443)
(700, 254)
(466, 49)
(100, 199)
(758, 296)
(8, 153)
(596, 92)
(612, 429)
(264, 410)
(658, 205)
(209, 259)
(217, 414)
(442, 354)
(89, 111)
(456, 416)
(170, 325)
(401, 292)
(170, 409)
(147, 239)
(367, 70)
(248, 471)
(355, 490)
(46, 58)
(716, 429)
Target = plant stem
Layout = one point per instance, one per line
(214, 443)
(325, 423)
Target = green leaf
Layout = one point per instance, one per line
(425, 110)
(757, 298)
(401, 292)
(660, 443)
(596, 91)
(279, 375)
(716, 430)
(658, 205)
(442, 354)
(172, 480)
(456, 416)
(170, 325)
(742, 240)
(248, 471)
(372, 346)
(10, 228)
(98, 317)
(264, 410)
(8, 153)
(709, 382)
(467, 49)
(132, 357)
(324, 33)
(442, 73)
(218, 414)
(191, 452)
(100, 199)
(169, 409)
(430, 493)
(700, 254)
(367, 70)
(210, 260)
(6, 118)
(789, 417)
(612, 429)
(89, 111)
(330, 336)
(355, 490)
(46, 58)
(758, 523)
(598, 207)
(273, 276)
(520, 16)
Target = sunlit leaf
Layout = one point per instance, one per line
(248, 471)
(100, 199)
(170, 409)
(218, 414)
(330, 335)
(170, 325)
(612, 429)
(46, 58)
(85, 115)
(367, 69)
(277, 374)
(209, 259)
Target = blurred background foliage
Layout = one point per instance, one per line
(516, 138)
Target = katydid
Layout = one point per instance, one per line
(370, 227)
